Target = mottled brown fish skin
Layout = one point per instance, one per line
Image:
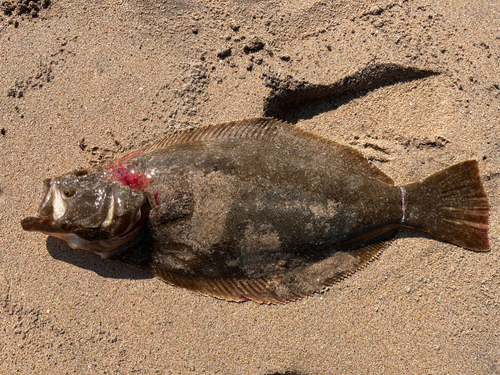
(255, 213)
(258, 209)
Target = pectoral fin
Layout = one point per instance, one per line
(172, 209)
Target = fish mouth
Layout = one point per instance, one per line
(105, 247)
(37, 224)
(107, 238)
(51, 208)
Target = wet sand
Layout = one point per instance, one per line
(413, 85)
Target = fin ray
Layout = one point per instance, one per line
(298, 284)
(281, 132)
(451, 205)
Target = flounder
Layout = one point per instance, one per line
(254, 209)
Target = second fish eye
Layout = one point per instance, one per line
(80, 171)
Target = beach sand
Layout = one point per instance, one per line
(84, 82)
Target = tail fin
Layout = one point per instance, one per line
(451, 205)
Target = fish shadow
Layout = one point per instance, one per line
(60, 250)
(292, 100)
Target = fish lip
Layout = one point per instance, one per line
(38, 224)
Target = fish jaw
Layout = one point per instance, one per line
(51, 208)
(36, 224)
(105, 248)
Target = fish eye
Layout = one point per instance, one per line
(69, 192)
(80, 171)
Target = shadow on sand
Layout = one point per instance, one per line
(60, 250)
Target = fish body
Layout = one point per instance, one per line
(254, 209)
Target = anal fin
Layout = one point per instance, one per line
(230, 290)
(296, 283)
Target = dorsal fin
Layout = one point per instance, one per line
(278, 131)
(249, 128)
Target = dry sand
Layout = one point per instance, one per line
(84, 82)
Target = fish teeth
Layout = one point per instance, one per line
(58, 204)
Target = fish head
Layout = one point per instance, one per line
(89, 211)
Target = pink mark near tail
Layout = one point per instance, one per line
(403, 204)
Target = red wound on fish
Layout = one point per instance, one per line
(128, 175)
(156, 199)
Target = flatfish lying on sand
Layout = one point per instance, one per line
(254, 209)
